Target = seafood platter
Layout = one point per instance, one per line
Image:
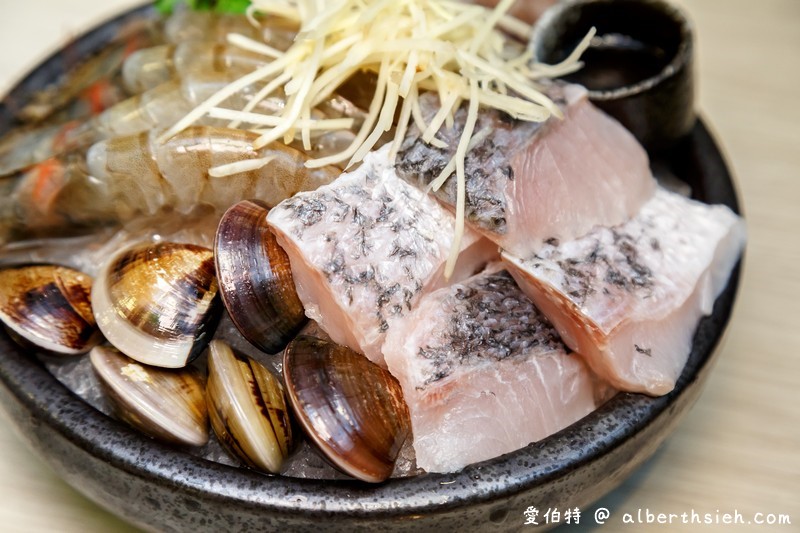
(410, 265)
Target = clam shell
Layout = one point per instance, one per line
(351, 408)
(169, 405)
(255, 278)
(248, 409)
(158, 302)
(48, 307)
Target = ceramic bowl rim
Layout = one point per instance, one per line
(63, 411)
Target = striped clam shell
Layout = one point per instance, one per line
(248, 409)
(255, 278)
(351, 408)
(48, 307)
(167, 404)
(158, 302)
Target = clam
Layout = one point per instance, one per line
(166, 404)
(48, 307)
(351, 408)
(255, 278)
(248, 409)
(158, 302)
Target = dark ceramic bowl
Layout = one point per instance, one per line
(638, 67)
(159, 487)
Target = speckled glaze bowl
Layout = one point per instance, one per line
(159, 487)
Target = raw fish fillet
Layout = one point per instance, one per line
(365, 248)
(528, 11)
(528, 182)
(629, 298)
(484, 373)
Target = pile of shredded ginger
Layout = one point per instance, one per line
(464, 52)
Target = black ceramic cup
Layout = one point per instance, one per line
(638, 67)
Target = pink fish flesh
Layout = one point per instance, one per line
(527, 182)
(629, 298)
(484, 373)
(365, 248)
(528, 11)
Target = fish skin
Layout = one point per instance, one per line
(629, 298)
(365, 248)
(484, 373)
(529, 182)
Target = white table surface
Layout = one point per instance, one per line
(739, 448)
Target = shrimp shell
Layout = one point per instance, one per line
(89, 101)
(199, 42)
(191, 25)
(158, 109)
(22, 148)
(126, 177)
(178, 170)
(89, 74)
(147, 68)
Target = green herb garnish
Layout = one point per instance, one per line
(217, 6)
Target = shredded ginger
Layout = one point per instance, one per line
(464, 52)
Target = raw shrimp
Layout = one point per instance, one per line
(157, 109)
(22, 148)
(125, 177)
(88, 73)
(90, 101)
(192, 25)
(150, 67)
(201, 42)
